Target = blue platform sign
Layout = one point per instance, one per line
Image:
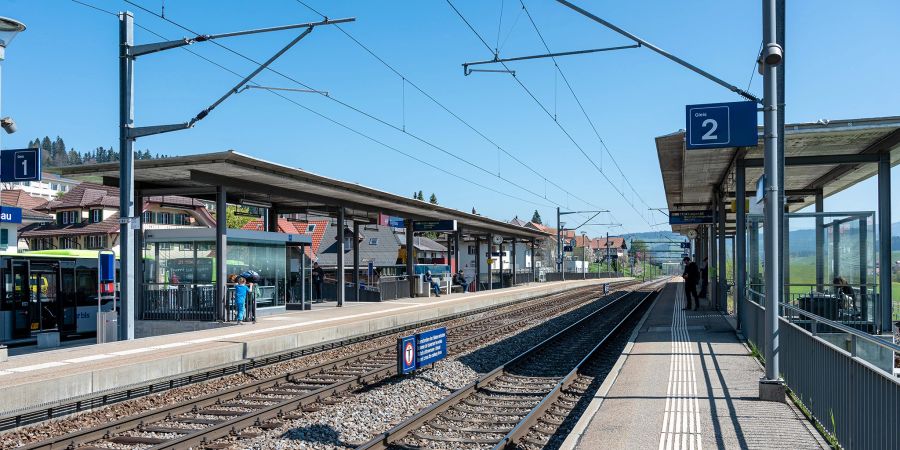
(10, 214)
(406, 354)
(434, 225)
(690, 217)
(685, 245)
(720, 125)
(431, 346)
(107, 267)
(20, 165)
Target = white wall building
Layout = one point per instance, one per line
(50, 186)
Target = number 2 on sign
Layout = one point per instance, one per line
(713, 126)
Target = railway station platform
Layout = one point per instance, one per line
(685, 381)
(40, 380)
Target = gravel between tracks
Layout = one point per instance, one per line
(371, 411)
(95, 417)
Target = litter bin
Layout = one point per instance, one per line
(107, 326)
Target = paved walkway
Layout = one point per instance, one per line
(47, 377)
(688, 383)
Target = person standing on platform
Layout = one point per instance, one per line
(691, 277)
(318, 277)
(240, 298)
(704, 277)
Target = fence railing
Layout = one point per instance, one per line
(841, 374)
(193, 302)
(558, 276)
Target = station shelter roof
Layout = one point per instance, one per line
(691, 177)
(289, 190)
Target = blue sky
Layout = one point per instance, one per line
(60, 78)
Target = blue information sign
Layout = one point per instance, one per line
(685, 245)
(20, 165)
(719, 125)
(690, 217)
(10, 214)
(406, 354)
(107, 267)
(434, 225)
(431, 346)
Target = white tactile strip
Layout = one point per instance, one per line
(681, 419)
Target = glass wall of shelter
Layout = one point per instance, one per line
(829, 265)
(179, 276)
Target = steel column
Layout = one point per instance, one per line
(512, 265)
(490, 252)
(126, 177)
(820, 242)
(722, 270)
(221, 251)
(712, 293)
(410, 258)
(356, 260)
(884, 240)
(835, 250)
(864, 272)
(740, 242)
(533, 262)
(477, 263)
(272, 219)
(500, 253)
(339, 270)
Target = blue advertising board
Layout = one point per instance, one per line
(10, 214)
(406, 354)
(690, 217)
(720, 125)
(431, 346)
(20, 165)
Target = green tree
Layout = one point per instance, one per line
(74, 157)
(47, 150)
(60, 155)
(433, 199)
(233, 220)
(420, 196)
(536, 218)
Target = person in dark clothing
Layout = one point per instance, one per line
(318, 277)
(691, 277)
(704, 277)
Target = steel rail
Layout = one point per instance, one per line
(575, 297)
(395, 434)
(22, 417)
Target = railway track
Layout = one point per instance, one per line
(523, 403)
(265, 404)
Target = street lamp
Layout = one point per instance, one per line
(9, 28)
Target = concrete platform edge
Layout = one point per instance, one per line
(574, 436)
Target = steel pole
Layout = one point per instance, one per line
(771, 387)
(884, 240)
(559, 247)
(126, 176)
(740, 241)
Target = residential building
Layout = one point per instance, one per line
(87, 217)
(49, 188)
(314, 228)
(18, 212)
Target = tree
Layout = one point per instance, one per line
(536, 218)
(60, 155)
(433, 199)
(420, 196)
(46, 149)
(74, 157)
(234, 221)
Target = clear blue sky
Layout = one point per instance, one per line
(60, 78)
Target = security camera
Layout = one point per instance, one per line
(8, 125)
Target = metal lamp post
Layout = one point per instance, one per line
(9, 28)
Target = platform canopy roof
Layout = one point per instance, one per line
(254, 181)
(691, 177)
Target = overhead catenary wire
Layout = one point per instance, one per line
(550, 114)
(347, 105)
(453, 114)
(329, 119)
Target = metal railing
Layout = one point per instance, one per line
(842, 375)
(163, 301)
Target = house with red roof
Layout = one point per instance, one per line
(314, 228)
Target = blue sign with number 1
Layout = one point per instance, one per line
(720, 125)
(20, 165)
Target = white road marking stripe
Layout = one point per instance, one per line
(46, 365)
(681, 418)
(88, 358)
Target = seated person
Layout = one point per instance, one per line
(434, 284)
(459, 279)
(845, 292)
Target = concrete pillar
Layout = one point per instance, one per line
(221, 251)
(884, 240)
(410, 258)
(820, 242)
(339, 270)
(740, 241)
(356, 260)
